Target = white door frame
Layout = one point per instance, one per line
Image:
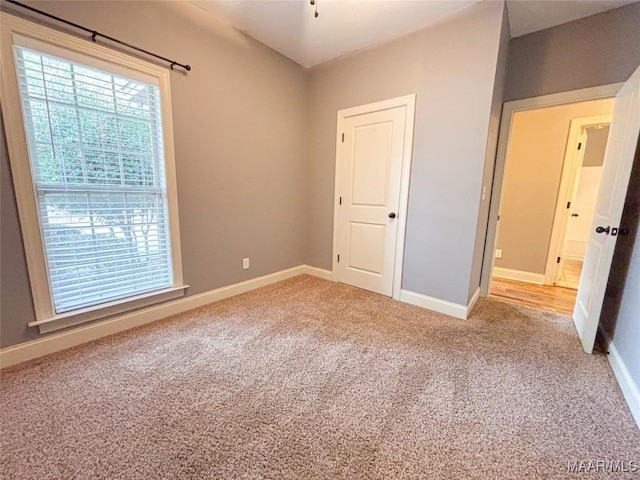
(571, 164)
(508, 112)
(408, 101)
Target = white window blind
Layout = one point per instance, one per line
(96, 152)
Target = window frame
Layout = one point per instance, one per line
(24, 33)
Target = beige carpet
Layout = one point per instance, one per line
(311, 379)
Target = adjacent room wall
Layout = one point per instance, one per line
(592, 51)
(532, 175)
(240, 138)
(597, 145)
(451, 67)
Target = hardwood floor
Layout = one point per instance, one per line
(570, 275)
(544, 297)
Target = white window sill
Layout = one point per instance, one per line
(103, 310)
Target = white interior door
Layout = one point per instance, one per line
(573, 179)
(583, 206)
(618, 160)
(369, 171)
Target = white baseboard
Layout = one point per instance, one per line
(442, 306)
(431, 303)
(519, 275)
(575, 249)
(472, 302)
(629, 388)
(318, 272)
(53, 343)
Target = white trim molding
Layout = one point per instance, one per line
(318, 272)
(575, 249)
(472, 302)
(76, 317)
(21, 32)
(519, 275)
(630, 389)
(508, 112)
(61, 341)
(437, 305)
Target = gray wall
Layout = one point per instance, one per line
(452, 69)
(271, 198)
(240, 138)
(596, 146)
(16, 305)
(592, 51)
(490, 157)
(620, 318)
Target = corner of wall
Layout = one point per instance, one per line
(491, 151)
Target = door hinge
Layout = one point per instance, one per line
(579, 145)
(343, 138)
(568, 204)
(338, 258)
(558, 260)
(340, 200)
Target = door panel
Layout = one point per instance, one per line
(372, 148)
(583, 205)
(370, 168)
(623, 138)
(366, 247)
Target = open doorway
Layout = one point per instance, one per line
(577, 218)
(607, 225)
(551, 177)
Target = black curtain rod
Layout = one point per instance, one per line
(95, 34)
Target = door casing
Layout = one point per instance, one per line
(571, 165)
(508, 112)
(409, 102)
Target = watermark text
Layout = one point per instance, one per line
(603, 466)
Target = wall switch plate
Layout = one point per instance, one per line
(498, 253)
(245, 263)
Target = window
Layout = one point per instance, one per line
(98, 172)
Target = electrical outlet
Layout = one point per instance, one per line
(498, 253)
(245, 263)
